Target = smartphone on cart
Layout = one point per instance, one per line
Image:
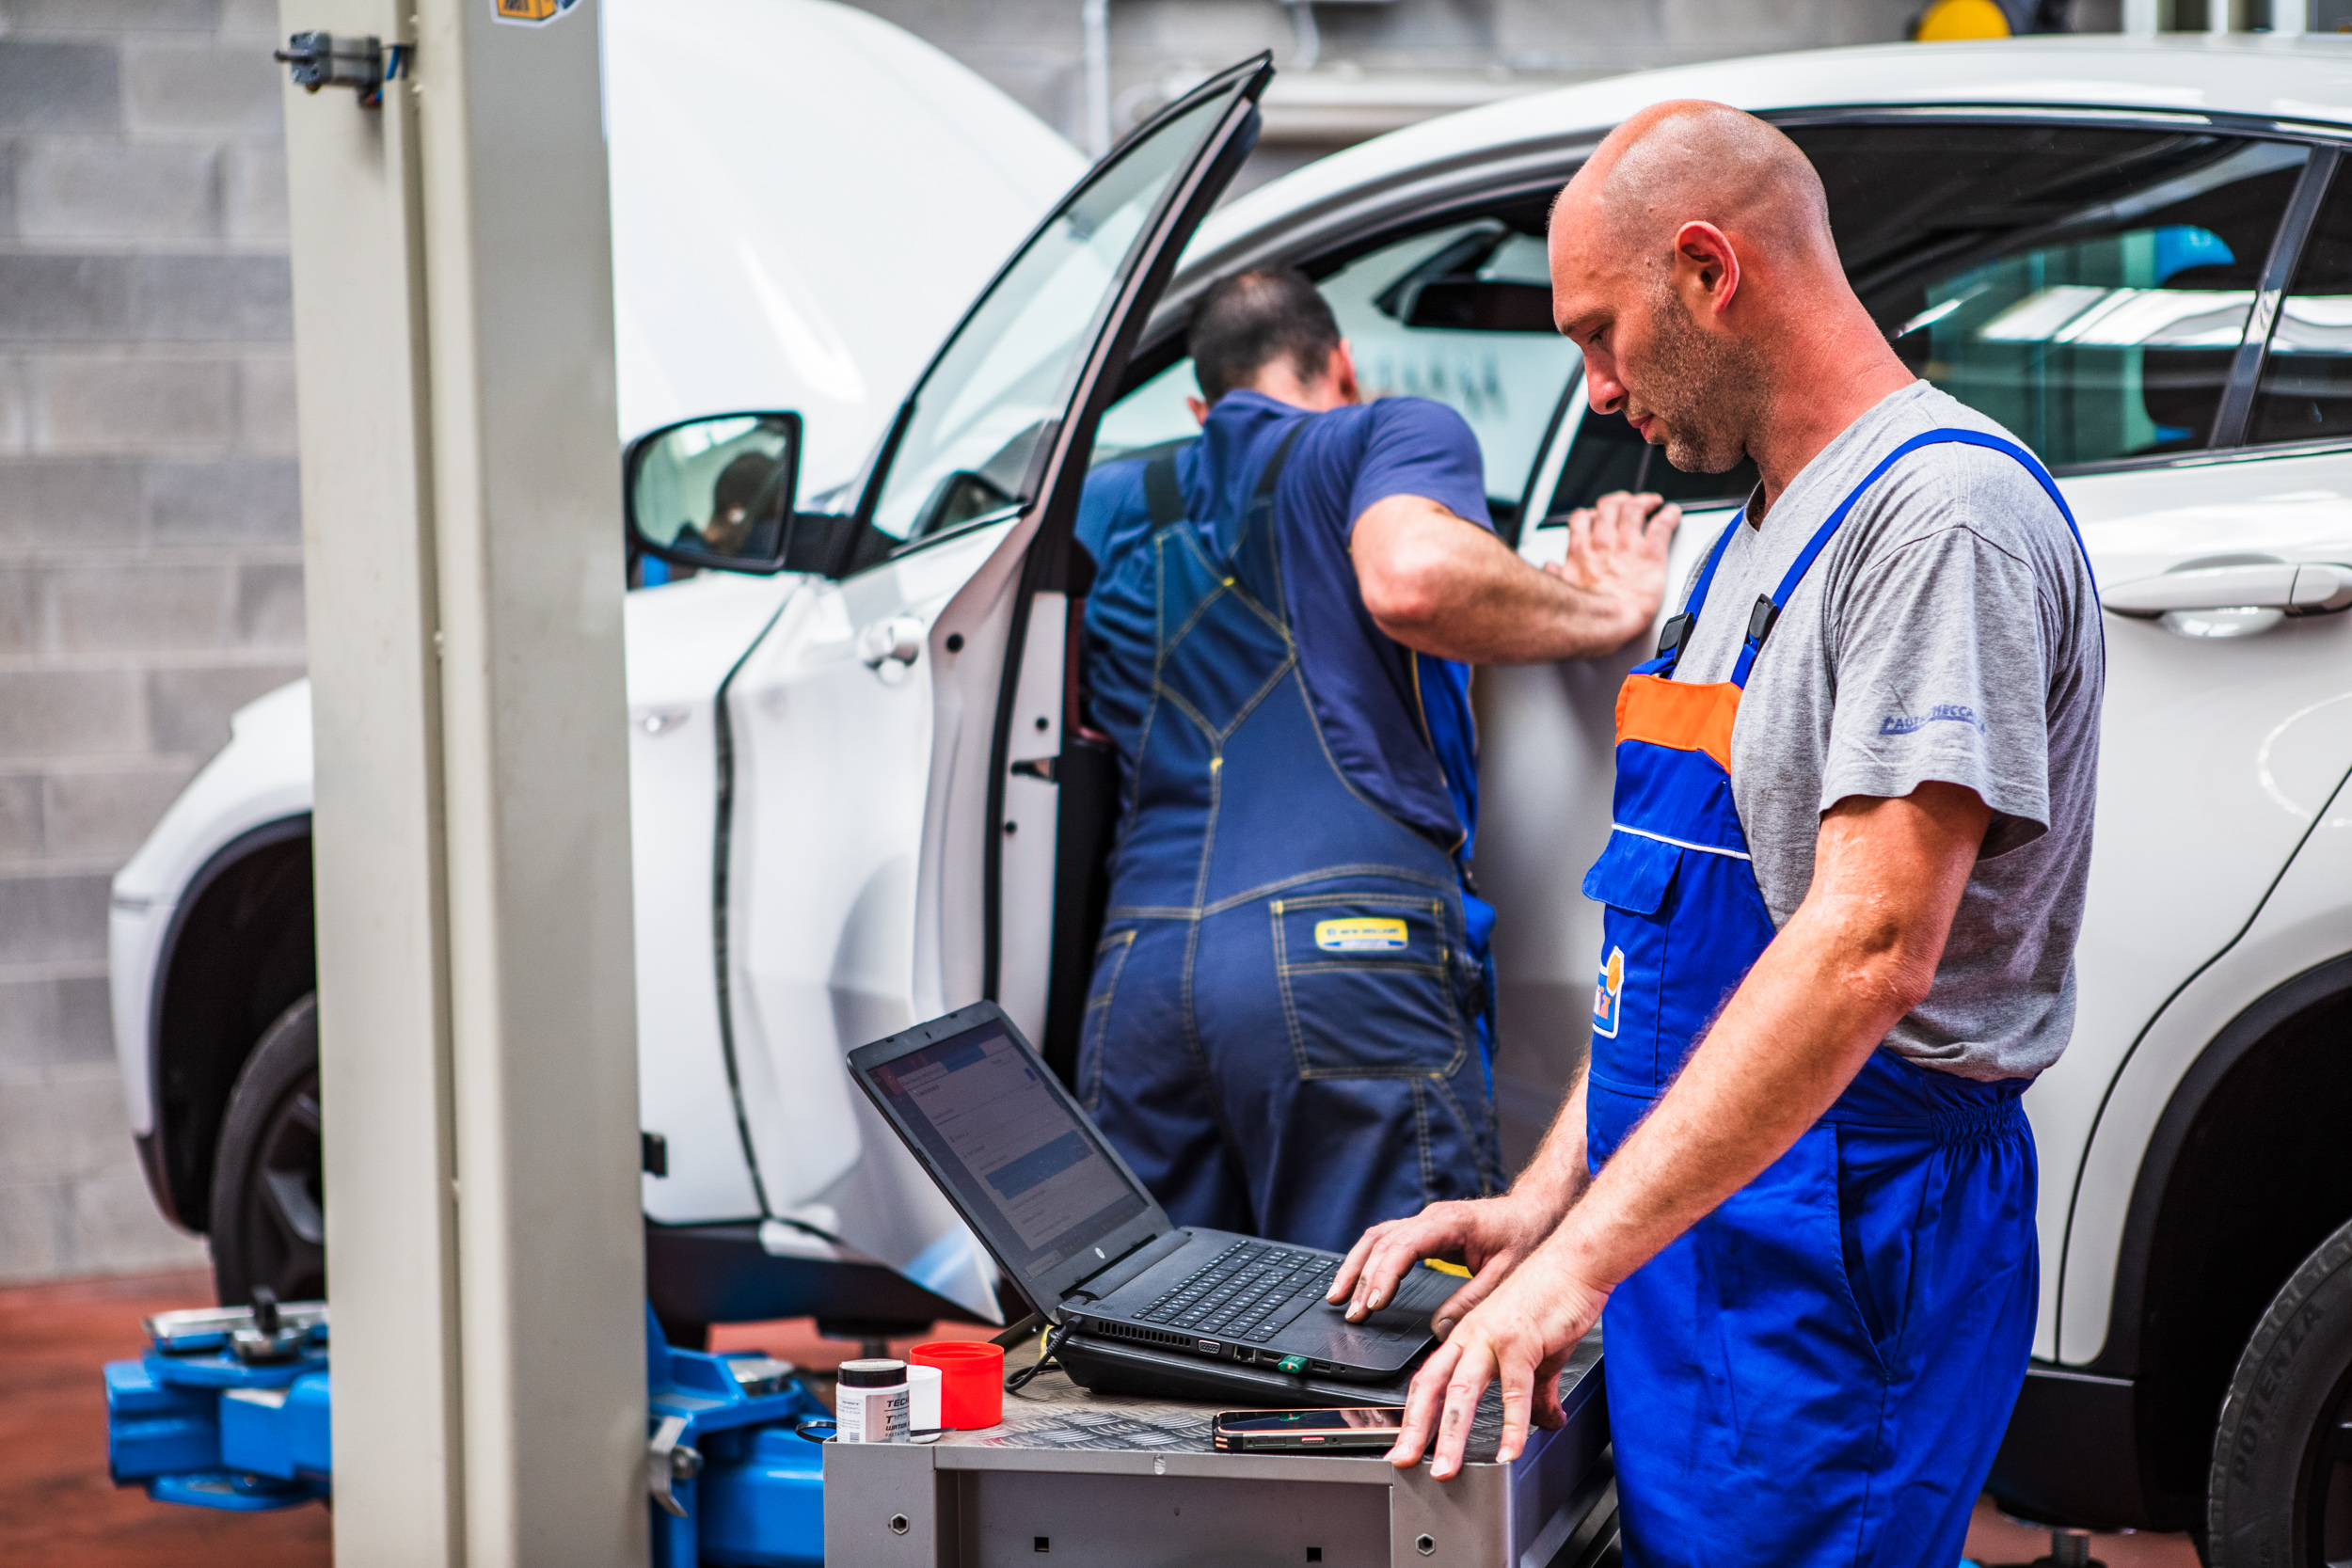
(1370, 1429)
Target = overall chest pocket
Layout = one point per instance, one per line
(1370, 987)
(1633, 873)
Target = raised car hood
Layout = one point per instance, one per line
(804, 201)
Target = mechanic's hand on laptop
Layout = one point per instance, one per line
(1491, 1235)
(1521, 1333)
(1617, 550)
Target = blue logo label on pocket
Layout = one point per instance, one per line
(1608, 995)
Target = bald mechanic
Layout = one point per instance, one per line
(1287, 1033)
(1852, 823)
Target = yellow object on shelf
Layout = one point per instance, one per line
(1444, 1267)
(1948, 21)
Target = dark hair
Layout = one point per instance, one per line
(1249, 319)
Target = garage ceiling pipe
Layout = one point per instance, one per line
(462, 551)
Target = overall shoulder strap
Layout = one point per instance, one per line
(1163, 495)
(1768, 607)
(1272, 475)
(1679, 627)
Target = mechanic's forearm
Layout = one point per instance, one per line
(1450, 589)
(1858, 954)
(1558, 1173)
(1785, 1048)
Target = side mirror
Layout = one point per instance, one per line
(715, 492)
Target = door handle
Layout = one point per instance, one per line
(2287, 587)
(898, 640)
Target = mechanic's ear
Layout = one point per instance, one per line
(1342, 373)
(1200, 407)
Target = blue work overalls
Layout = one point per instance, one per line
(1818, 1372)
(1284, 1035)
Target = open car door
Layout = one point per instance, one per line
(867, 819)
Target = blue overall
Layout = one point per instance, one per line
(1818, 1372)
(1287, 1030)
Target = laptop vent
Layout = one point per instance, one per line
(1148, 1336)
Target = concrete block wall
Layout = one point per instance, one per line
(150, 574)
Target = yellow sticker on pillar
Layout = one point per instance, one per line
(529, 13)
(1608, 995)
(1360, 936)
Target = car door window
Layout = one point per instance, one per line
(1005, 379)
(1460, 315)
(2086, 287)
(2306, 388)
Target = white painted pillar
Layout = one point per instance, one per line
(452, 308)
(2143, 17)
(2290, 18)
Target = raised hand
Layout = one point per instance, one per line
(1617, 554)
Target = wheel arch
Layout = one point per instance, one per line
(240, 948)
(2233, 1191)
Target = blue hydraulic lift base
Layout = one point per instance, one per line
(228, 1409)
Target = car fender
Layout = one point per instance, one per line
(681, 641)
(263, 776)
(2303, 924)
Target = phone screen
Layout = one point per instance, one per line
(1368, 1419)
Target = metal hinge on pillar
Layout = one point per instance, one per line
(324, 60)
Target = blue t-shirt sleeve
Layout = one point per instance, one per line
(1111, 511)
(1414, 447)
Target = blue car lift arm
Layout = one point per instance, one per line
(228, 1409)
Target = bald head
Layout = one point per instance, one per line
(1691, 159)
(1691, 260)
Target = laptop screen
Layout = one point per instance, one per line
(1027, 1172)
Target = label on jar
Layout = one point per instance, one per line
(871, 1415)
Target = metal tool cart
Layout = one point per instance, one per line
(1121, 1481)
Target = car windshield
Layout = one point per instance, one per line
(983, 407)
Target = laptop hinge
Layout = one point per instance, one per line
(1127, 1265)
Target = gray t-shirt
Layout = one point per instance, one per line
(1950, 631)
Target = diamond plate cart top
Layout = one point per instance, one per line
(1113, 1481)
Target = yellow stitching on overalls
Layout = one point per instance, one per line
(1256, 894)
(1470, 1134)
(1327, 873)
(1242, 716)
(1420, 711)
(1421, 1136)
(1090, 1021)
(1229, 583)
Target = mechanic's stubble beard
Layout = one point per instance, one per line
(1704, 388)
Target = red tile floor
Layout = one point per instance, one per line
(57, 1507)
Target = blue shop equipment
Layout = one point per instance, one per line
(228, 1409)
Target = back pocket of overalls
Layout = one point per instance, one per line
(1368, 988)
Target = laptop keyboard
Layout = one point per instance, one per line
(1247, 1293)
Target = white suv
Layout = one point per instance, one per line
(864, 793)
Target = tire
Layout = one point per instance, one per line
(2281, 1492)
(269, 1216)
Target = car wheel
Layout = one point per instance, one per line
(269, 1211)
(2281, 1493)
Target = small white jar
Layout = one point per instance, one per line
(871, 1402)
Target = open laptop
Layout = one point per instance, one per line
(1066, 1218)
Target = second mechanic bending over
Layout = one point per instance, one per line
(1289, 1025)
